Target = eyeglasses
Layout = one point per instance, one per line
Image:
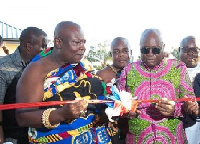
(188, 49)
(78, 43)
(146, 50)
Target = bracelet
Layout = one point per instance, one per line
(1, 123)
(45, 119)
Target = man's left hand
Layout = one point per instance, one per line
(166, 107)
(191, 107)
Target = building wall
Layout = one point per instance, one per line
(11, 46)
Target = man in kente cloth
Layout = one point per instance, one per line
(58, 75)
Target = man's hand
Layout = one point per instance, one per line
(132, 114)
(191, 107)
(166, 107)
(74, 110)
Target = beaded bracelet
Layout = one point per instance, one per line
(45, 119)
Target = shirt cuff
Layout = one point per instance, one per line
(178, 111)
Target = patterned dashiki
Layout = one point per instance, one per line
(169, 80)
(67, 83)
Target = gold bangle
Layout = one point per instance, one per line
(45, 119)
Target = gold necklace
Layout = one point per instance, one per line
(112, 68)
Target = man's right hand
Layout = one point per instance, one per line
(191, 107)
(132, 114)
(74, 110)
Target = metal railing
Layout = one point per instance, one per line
(8, 31)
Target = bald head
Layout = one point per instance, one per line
(69, 42)
(116, 41)
(64, 26)
(120, 51)
(188, 51)
(151, 47)
(186, 40)
(152, 36)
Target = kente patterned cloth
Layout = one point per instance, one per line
(67, 83)
(169, 80)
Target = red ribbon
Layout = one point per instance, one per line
(41, 104)
(53, 103)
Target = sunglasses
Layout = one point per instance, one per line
(146, 50)
(187, 49)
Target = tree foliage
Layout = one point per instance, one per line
(175, 53)
(99, 54)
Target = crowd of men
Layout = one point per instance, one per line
(35, 73)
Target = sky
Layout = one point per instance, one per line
(103, 20)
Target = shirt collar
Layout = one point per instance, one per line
(154, 68)
(17, 59)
